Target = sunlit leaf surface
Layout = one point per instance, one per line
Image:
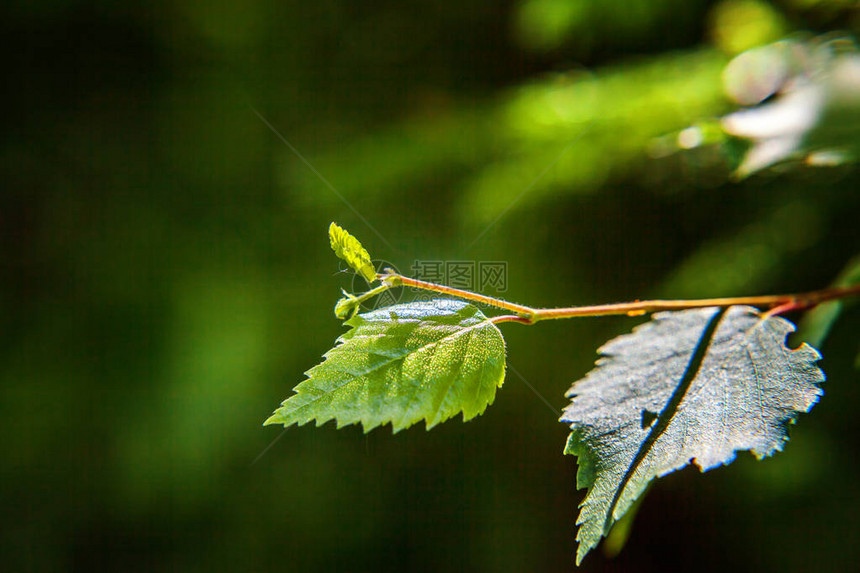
(696, 385)
(401, 364)
(348, 248)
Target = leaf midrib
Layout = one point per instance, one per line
(668, 412)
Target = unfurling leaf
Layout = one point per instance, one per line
(695, 385)
(350, 250)
(401, 364)
(347, 306)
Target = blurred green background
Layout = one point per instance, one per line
(166, 276)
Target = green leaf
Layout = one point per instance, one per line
(347, 306)
(401, 364)
(695, 385)
(351, 251)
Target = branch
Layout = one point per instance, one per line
(778, 304)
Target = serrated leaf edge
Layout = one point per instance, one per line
(351, 251)
(354, 323)
(587, 460)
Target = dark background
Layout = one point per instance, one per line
(169, 174)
